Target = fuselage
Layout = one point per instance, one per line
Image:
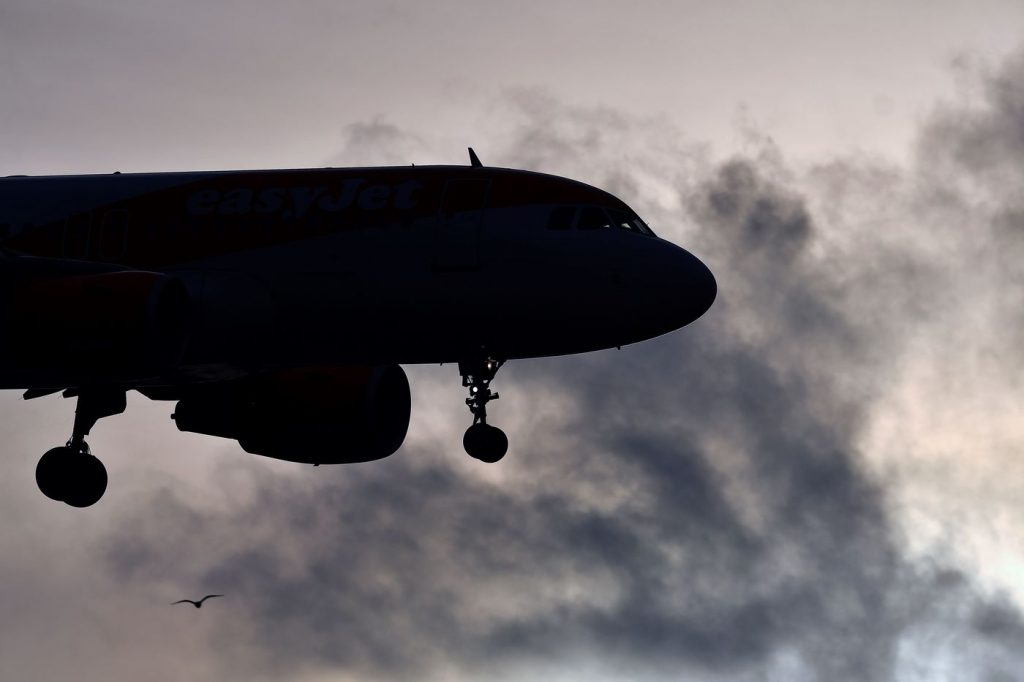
(424, 264)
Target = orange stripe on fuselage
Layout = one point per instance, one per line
(220, 213)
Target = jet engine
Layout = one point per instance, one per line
(110, 323)
(331, 415)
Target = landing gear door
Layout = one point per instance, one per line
(457, 245)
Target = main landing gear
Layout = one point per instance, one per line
(482, 441)
(71, 474)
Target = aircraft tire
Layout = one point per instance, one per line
(52, 473)
(88, 481)
(485, 442)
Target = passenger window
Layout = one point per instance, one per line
(592, 218)
(561, 218)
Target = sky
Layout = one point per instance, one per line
(818, 480)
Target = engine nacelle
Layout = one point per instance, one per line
(112, 323)
(329, 415)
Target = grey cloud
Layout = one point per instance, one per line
(702, 505)
(983, 142)
(999, 619)
(766, 218)
(380, 142)
(972, 156)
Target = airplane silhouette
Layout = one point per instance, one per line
(197, 604)
(276, 308)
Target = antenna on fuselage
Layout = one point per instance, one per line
(474, 160)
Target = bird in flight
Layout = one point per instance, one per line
(197, 604)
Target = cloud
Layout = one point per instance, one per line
(700, 503)
(381, 143)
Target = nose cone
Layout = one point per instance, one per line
(684, 288)
(696, 288)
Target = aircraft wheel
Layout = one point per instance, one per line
(52, 473)
(77, 478)
(89, 481)
(485, 442)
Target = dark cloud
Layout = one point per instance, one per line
(695, 503)
(1001, 620)
(752, 215)
(981, 141)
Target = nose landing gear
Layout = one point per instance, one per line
(482, 441)
(71, 474)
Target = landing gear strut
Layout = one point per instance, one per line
(482, 441)
(71, 474)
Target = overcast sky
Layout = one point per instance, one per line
(818, 480)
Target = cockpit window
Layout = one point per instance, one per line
(562, 218)
(622, 219)
(630, 221)
(643, 227)
(592, 218)
(596, 218)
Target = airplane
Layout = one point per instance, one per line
(276, 307)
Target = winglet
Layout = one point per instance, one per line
(474, 160)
